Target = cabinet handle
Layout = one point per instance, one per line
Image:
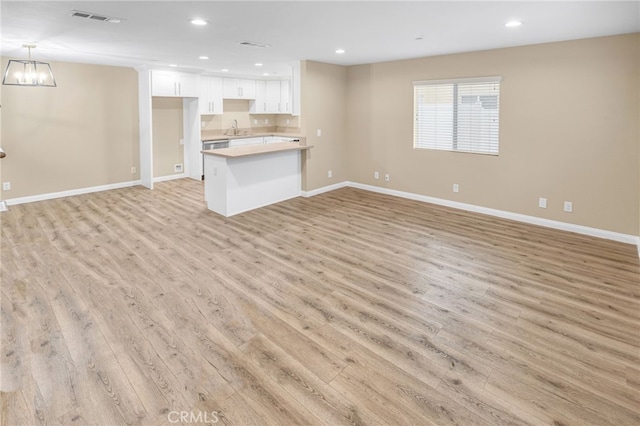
(240, 91)
(175, 88)
(265, 107)
(179, 88)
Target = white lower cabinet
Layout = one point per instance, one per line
(246, 141)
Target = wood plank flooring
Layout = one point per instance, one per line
(142, 307)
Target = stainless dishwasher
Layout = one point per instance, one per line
(217, 144)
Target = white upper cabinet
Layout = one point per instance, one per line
(239, 88)
(272, 97)
(259, 106)
(285, 96)
(210, 99)
(170, 83)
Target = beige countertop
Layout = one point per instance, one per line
(213, 138)
(258, 149)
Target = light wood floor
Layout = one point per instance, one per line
(132, 306)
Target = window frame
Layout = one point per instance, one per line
(455, 120)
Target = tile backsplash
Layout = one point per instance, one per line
(237, 109)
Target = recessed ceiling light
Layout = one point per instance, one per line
(513, 24)
(340, 51)
(204, 58)
(199, 22)
(258, 64)
(173, 65)
(224, 70)
(265, 73)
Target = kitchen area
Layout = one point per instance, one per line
(240, 135)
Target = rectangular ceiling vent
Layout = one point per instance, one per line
(95, 17)
(253, 44)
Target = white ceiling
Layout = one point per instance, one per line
(159, 33)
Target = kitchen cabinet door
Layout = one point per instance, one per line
(258, 106)
(239, 88)
(247, 88)
(175, 84)
(246, 141)
(273, 96)
(163, 83)
(187, 85)
(210, 95)
(285, 96)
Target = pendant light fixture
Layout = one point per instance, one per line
(28, 72)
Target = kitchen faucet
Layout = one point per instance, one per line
(234, 126)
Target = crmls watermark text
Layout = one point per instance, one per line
(193, 417)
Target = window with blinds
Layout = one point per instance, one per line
(457, 115)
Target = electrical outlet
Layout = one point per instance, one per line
(387, 178)
(6, 186)
(456, 187)
(266, 121)
(568, 206)
(133, 170)
(181, 141)
(376, 175)
(330, 174)
(177, 168)
(255, 121)
(542, 203)
(288, 121)
(203, 124)
(319, 132)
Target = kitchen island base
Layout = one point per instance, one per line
(236, 184)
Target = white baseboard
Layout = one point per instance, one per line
(324, 189)
(79, 191)
(169, 177)
(564, 226)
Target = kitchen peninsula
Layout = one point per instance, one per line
(242, 178)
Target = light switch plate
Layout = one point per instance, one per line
(542, 203)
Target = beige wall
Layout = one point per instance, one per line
(80, 134)
(167, 119)
(324, 107)
(568, 131)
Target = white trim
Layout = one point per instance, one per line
(324, 189)
(492, 79)
(579, 229)
(564, 226)
(71, 192)
(169, 177)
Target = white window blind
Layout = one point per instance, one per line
(457, 115)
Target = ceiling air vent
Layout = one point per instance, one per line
(95, 17)
(253, 44)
